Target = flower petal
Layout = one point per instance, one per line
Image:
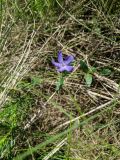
(60, 57)
(69, 68)
(66, 68)
(69, 60)
(61, 69)
(56, 64)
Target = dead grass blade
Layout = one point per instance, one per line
(86, 114)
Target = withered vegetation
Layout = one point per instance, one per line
(77, 122)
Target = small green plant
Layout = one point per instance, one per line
(88, 72)
(105, 72)
(60, 82)
(63, 67)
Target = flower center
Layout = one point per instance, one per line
(63, 65)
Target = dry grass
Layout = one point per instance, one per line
(32, 112)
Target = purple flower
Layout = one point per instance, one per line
(63, 65)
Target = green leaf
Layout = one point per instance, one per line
(84, 66)
(88, 79)
(60, 83)
(92, 70)
(36, 80)
(105, 72)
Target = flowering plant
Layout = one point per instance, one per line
(63, 64)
